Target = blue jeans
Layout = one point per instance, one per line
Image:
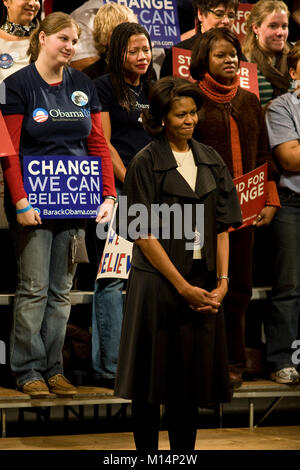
(42, 301)
(107, 316)
(281, 324)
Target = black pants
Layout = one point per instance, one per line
(181, 425)
(239, 294)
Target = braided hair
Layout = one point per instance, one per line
(116, 56)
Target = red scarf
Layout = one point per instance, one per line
(218, 92)
(223, 94)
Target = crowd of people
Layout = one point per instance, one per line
(179, 337)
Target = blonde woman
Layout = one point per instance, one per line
(266, 45)
(45, 274)
(107, 18)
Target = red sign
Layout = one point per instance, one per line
(181, 59)
(248, 77)
(239, 26)
(251, 190)
(181, 68)
(6, 147)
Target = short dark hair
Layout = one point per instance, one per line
(163, 93)
(117, 50)
(206, 5)
(293, 56)
(203, 45)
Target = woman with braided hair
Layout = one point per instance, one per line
(123, 95)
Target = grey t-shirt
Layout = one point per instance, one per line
(283, 124)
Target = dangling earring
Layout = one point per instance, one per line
(256, 37)
(162, 124)
(295, 84)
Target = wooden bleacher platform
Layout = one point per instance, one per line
(96, 396)
(10, 398)
(263, 389)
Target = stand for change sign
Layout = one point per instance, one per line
(63, 186)
(159, 18)
(251, 190)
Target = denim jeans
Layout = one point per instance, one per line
(281, 324)
(42, 301)
(107, 316)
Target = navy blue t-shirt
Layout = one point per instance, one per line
(57, 118)
(127, 133)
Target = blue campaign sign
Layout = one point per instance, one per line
(63, 186)
(159, 17)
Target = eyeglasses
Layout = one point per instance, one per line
(220, 15)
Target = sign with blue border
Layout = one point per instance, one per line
(159, 18)
(61, 187)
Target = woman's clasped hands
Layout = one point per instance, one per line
(204, 301)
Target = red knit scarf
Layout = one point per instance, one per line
(223, 94)
(218, 92)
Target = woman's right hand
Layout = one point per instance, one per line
(200, 299)
(30, 217)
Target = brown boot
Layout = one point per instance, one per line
(235, 379)
(59, 385)
(36, 389)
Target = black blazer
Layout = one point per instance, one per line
(152, 179)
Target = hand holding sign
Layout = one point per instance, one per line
(265, 216)
(27, 215)
(105, 211)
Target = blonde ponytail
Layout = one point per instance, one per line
(51, 24)
(34, 46)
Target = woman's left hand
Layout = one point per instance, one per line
(105, 211)
(219, 293)
(266, 216)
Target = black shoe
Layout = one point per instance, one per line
(235, 379)
(104, 382)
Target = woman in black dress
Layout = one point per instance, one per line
(173, 347)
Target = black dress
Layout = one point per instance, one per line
(167, 350)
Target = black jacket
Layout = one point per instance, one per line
(152, 178)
